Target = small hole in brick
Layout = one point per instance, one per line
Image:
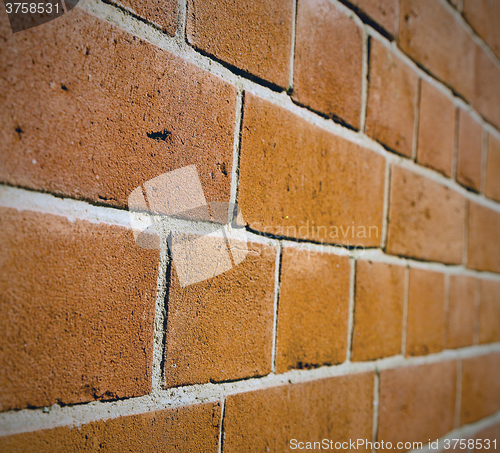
(64, 87)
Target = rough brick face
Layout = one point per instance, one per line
(392, 94)
(104, 99)
(436, 129)
(327, 189)
(492, 189)
(484, 239)
(426, 314)
(77, 311)
(426, 219)
(253, 420)
(189, 429)
(487, 89)
(313, 309)
(480, 387)
(378, 310)
(470, 144)
(461, 311)
(328, 61)
(417, 403)
(221, 328)
(255, 37)
(489, 311)
(383, 12)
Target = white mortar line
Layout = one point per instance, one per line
(477, 305)
(406, 291)
(458, 397)
(277, 278)
(350, 319)
(221, 439)
(376, 406)
(180, 33)
(364, 80)
(236, 148)
(292, 50)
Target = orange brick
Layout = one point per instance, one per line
(116, 111)
(328, 61)
(186, 429)
(470, 144)
(78, 303)
(492, 189)
(255, 37)
(487, 89)
(489, 311)
(477, 13)
(383, 12)
(313, 309)
(484, 239)
(417, 403)
(426, 315)
(430, 34)
(221, 329)
(338, 408)
(392, 94)
(427, 220)
(378, 310)
(327, 189)
(480, 387)
(461, 311)
(436, 129)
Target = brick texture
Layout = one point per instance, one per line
(383, 12)
(254, 37)
(253, 420)
(487, 89)
(470, 144)
(313, 309)
(328, 61)
(186, 429)
(480, 387)
(378, 310)
(492, 188)
(489, 311)
(78, 307)
(426, 219)
(392, 94)
(461, 311)
(417, 403)
(327, 189)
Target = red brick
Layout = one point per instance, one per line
(313, 309)
(427, 220)
(159, 12)
(326, 190)
(492, 189)
(80, 97)
(484, 239)
(480, 387)
(430, 34)
(383, 12)
(436, 129)
(221, 329)
(255, 37)
(78, 302)
(477, 13)
(470, 145)
(489, 311)
(328, 61)
(487, 87)
(426, 316)
(461, 311)
(338, 408)
(417, 403)
(392, 94)
(378, 311)
(186, 429)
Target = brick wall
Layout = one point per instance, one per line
(361, 141)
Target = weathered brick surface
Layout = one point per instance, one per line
(221, 328)
(480, 387)
(378, 310)
(492, 188)
(426, 219)
(426, 313)
(487, 87)
(193, 429)
(383, 12)
(116, 111)
(489, 311)
(430, 34)
(484, 238)
(417, 403)
(77, 311)
(313, 309)
(436, 129)
(338, 408)
(255, 37)
(470, 144)
(461, 311)
(328, 61)
(392, 94)
(326, 189)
